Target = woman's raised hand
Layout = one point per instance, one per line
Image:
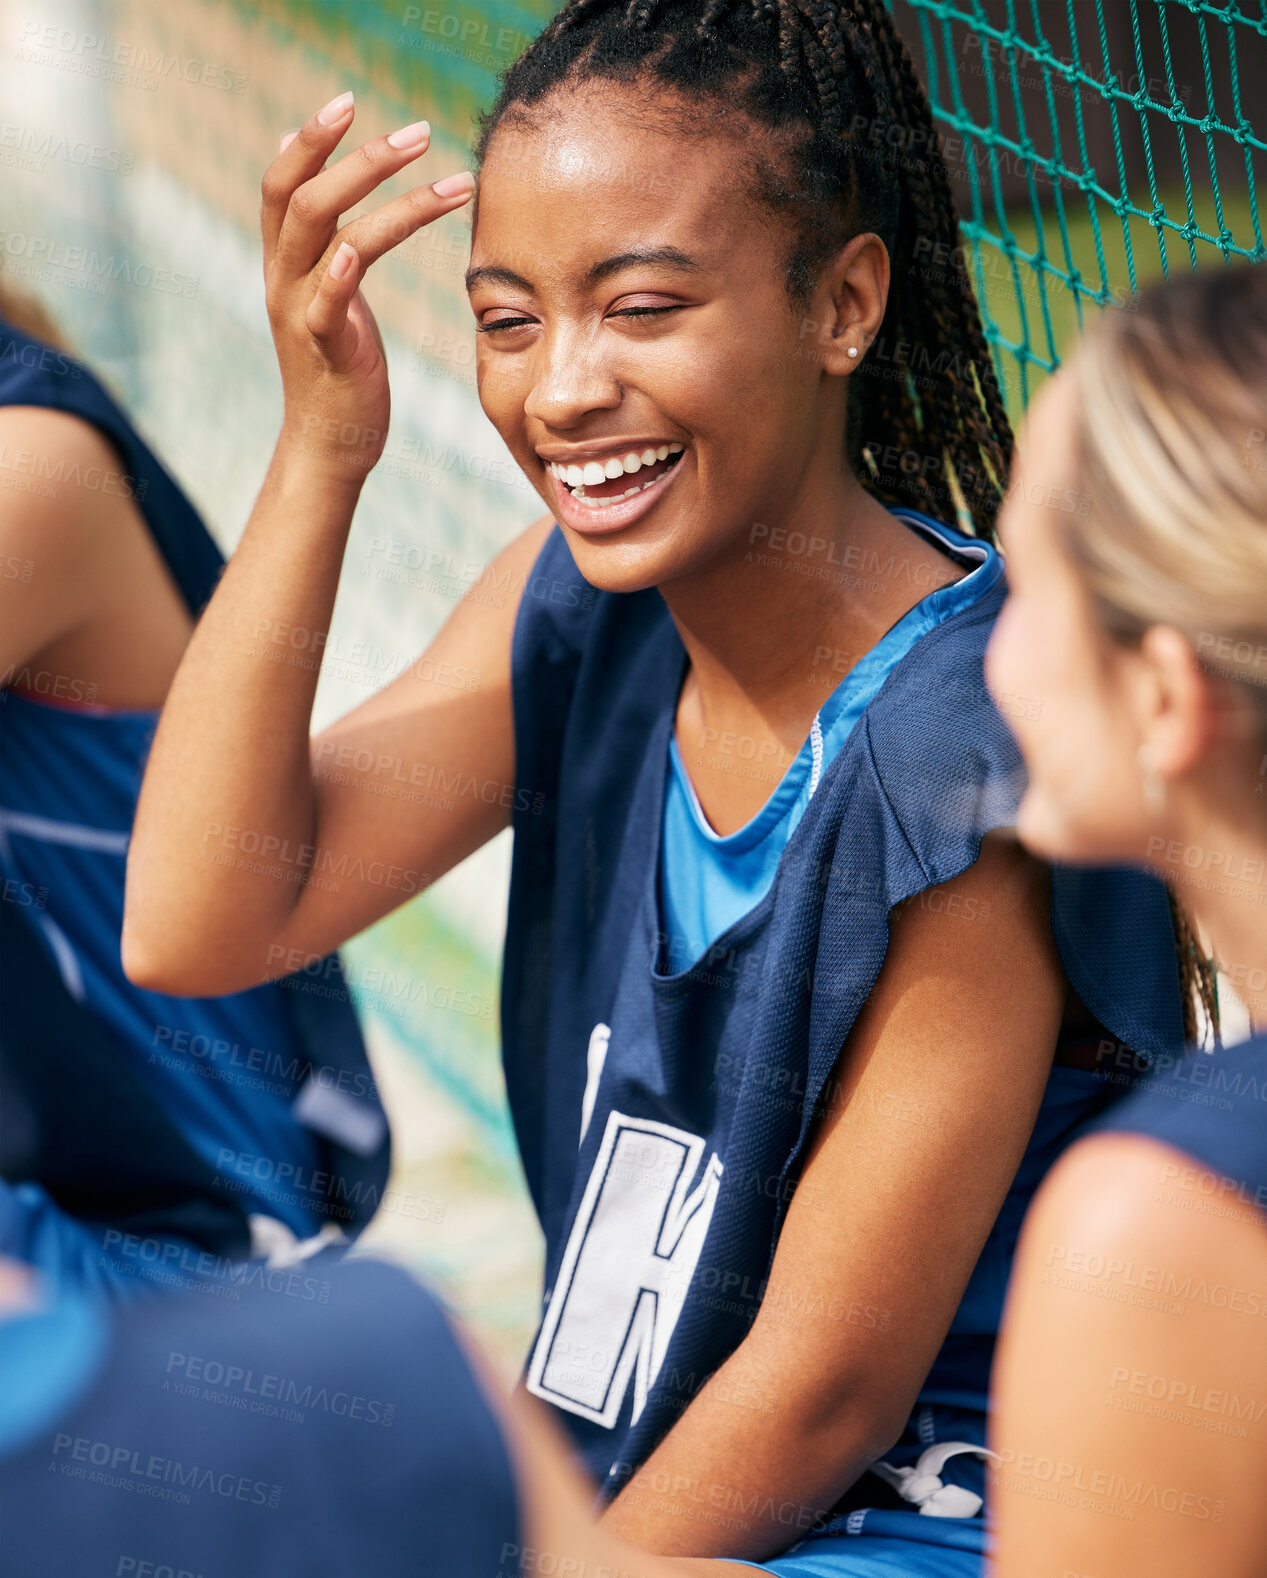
(334, 372)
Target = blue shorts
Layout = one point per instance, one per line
(889, 1545)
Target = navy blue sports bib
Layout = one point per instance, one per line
(1210, 1105)
(661, 1116)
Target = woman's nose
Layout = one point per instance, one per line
(572, 378)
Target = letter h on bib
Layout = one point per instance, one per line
(628, 1264)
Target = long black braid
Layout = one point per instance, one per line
(857, 150)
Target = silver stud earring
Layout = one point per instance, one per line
(852, 351)
(1154, 783)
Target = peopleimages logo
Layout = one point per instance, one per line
(179, 1264)
(47, 253)
(266, 1393)
(44, 357)
(30, 149)
(1077, 1484)
(122, 1467)
(93, 55)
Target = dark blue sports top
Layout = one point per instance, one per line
(338, 1433)
(1210, 1105)
(216, 1109)
(661, 1117)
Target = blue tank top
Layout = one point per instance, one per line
(1210, 1105)
(226, 1069)
(271, 1088)
(662, 1115)
(708, 880)
(343, 1433)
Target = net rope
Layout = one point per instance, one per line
(1096, 78)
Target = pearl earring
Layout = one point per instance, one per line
(852, 351)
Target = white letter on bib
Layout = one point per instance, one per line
(625, 1273)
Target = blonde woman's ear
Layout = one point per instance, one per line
(1182, 705)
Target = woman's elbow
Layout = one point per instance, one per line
(862, 1409)
(874, 1428)
(156, 966)
(166, 960)
(854, 1421)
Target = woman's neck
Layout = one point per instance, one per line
(1218, 867)
(800, 599)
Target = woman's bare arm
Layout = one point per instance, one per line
(253, 845)
(1130, 1388)
(76, 560)
(291, 845)
(929, 1114)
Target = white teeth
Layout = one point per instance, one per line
(598, 504)
(613, 466)
(595, 471)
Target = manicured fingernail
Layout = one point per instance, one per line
(335, 110)
(453, 185)
(287, 139)
(341, 262)
(410, 136)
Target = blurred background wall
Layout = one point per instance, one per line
(133, 134)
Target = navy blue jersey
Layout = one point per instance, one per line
(661, 1117)
(1210, 1105)
(148, 1114)
(276, 1436)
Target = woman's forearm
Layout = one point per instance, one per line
(229, 773)
(753, 1462)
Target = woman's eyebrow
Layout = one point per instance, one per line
(666, 256)
(497, 276)
(671, 257)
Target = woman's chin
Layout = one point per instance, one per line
(624, 562)
(1046, 832)
(1056, 832)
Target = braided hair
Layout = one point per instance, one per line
(854, 149)
(1198, 983)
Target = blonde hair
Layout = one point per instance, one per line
(1171, 451)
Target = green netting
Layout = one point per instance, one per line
(1087, 163)
(1093, 143)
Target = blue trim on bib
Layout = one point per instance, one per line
(709, 880)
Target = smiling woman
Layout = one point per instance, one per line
(790, 1035)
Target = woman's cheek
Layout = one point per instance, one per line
(1019, 677)
(1004, 655)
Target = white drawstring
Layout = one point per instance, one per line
(922, 1484)
(816, 754)
(274, 1239)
